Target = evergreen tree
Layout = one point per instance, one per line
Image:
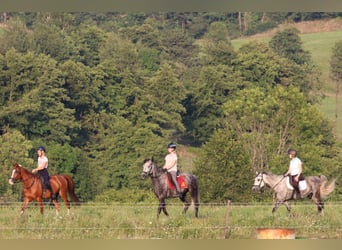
(15, 35)
(336, 75)
(287, 43)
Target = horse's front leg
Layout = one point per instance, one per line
(40, 204)
(276, 205)
(24, 206)
(162, 207)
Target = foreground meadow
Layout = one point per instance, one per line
(138, 221)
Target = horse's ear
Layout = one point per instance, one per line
(152, 159)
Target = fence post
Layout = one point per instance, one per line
(226, 228)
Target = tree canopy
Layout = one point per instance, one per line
(104, 91)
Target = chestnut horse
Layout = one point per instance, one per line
(32, 188)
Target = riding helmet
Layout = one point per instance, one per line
(41, 148)
(171, 145)
(292, 152)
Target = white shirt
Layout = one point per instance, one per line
(43, 159)
(170, 158)
(295, 164)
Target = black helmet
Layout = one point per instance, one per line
(171, 145)
(292, 152)
(41, 148)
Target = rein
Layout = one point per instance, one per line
(152, 172)
(276, 183)
(34, 180)
(25, 180)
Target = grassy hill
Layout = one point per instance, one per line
(320, 46)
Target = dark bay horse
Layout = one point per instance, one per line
(163, 191)
(315, 187)
(32, 188)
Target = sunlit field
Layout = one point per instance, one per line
(139, 221)
(320, 47)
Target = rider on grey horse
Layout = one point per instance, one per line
(295, 170)
(171, 167)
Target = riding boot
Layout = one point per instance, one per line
(298, 193)
(53, 195)
(43, 184)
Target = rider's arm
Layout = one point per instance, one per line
(170, 164)
(41, 167)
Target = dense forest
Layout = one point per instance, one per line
(104, 91)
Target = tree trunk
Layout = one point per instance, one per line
(240, 22)
(337, 106)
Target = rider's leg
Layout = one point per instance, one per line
(295, 185)
(173, 175)
(48, 186)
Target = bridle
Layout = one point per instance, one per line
(23, 180)
(262, 180)
(151, 173)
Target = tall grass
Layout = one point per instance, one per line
(132, 221)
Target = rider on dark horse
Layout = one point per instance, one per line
(43, 172)
(170, 166)
(295, 170)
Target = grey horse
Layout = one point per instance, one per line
(163, 191)
(315, 187)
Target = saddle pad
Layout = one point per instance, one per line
(302, 184)
(181, 181)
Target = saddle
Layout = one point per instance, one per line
(302, 184)
(180, 179)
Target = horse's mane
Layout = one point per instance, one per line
(146, 160)
(156, 167)
(22, 168)
(269, 173)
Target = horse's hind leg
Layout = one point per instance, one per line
(287, 205)
(317, 200)
(66, 202)
(186, 205)
(195, 200)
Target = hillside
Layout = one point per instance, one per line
(318, 38)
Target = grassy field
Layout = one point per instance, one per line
(320, 46)
(132, 221)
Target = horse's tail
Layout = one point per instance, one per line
(326, 188)
(71, 189)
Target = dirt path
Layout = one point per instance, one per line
(306, 27)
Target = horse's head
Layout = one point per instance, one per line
(258, 182)
(147, 168)
(16, 174)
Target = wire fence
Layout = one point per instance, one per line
(101, 220)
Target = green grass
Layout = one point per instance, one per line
(138, 221)
(320, 46)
